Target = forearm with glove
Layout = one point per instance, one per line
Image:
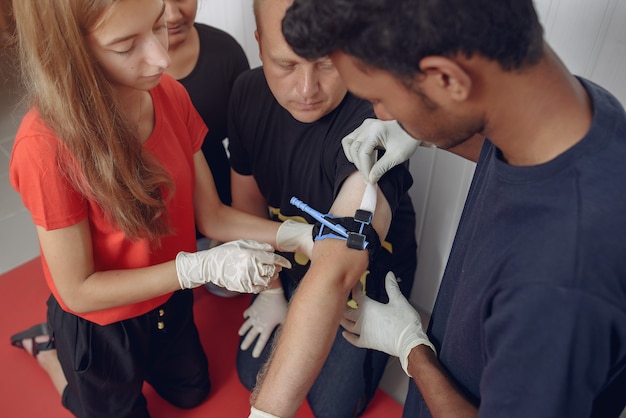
(394, 328)
(293, 236)
(243, 266)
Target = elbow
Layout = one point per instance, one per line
(76, 299)
(208, 222)
(74, 303)
(355, 272)
(342, 265)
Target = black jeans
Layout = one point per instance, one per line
(106, 366)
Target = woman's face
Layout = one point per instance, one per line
(130, 43)
(179, 16)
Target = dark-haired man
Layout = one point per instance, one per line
(530, 319)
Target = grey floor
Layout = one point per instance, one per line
(18, 239)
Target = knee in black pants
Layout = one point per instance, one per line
(186, 398)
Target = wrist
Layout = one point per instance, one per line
(185, 269)
(412, 337)
(274, 289)
(421, 358)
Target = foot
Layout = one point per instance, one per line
(37, 346)
(38, 342)
(35, 339)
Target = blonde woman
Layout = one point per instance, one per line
(116, 184)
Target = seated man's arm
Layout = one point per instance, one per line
(246, 195)
(316, 309)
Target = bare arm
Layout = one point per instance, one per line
(315, 311)
(222, 222)
(248, 198)
(440, 394)
(246, 195)
(68, 252)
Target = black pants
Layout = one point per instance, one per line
(106, 366)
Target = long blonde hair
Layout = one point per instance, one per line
(75, 99)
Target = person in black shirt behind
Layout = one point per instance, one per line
(287, 120)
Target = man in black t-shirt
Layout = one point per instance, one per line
(286, 122)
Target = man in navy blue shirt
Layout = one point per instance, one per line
(530, 318)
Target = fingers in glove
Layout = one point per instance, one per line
(259, 283)
(245, 327)
(357, 292)
(351, 338)
(260, 343)
(263, 280)
(347, 143)
(255, 289)
(365, 161)
(350, 325)
(278, 260)
(249, 338)
(351, 315)
(359, 152)
(267, 271)
(378, 170)
(391, 286)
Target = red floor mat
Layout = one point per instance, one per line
(25, 390)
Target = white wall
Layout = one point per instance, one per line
(590, 37)
(236, 18)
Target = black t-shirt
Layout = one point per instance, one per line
(209, 84)
(289, 158)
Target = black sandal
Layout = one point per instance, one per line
(32, 333)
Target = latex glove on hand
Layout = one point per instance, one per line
(360, 147)
(295, 237)
(242, 266)
(394, 328)
(268, 310)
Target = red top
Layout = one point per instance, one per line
(54, 203)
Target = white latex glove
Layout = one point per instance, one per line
(360, 147)
(257, 413)
(268, 310)
(394, 328)
(294, 237)
(242, 266)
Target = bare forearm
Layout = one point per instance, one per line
(68, 254)
(110, 289)
(221, 222)
(307, 335)
(440, 394)
(304, 343)
(228, 224)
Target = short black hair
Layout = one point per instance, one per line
(394, 35)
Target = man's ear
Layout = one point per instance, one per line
(445, 74)
(258, 41)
